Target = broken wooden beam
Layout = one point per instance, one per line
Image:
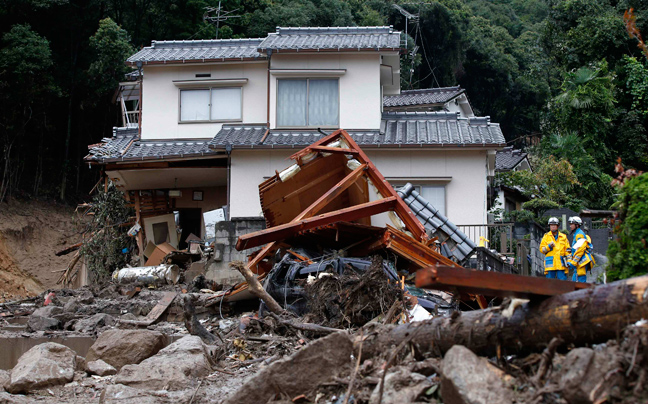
(68, 249)
(155, 313)
(493, 284)
(585, 316)
(343, 215)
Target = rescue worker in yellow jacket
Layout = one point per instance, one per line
(580, 259)
(554, 246)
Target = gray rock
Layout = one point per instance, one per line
(401, 386)
(587, 376)
(44, 365)
(6, 398)
(301, 373)
(100, 368)
(90, 324)
(174, 368)
(85, 297)
(48, 311)
(124, 347)
(468, 379)
(38, 323)
(5, 376)
(71, 306)
(119, 393)
(129, 317)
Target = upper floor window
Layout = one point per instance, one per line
(308, 102)
(212, 104)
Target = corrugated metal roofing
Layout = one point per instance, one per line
(439, 95)
(508, 158)
(332, 38)
(196, 51)
(459, 245)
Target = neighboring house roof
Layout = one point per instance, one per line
(508, 158)
(215, 50)
(332, 38)
(425, 96)
(439, 128)
(127, 147)
(457, 243)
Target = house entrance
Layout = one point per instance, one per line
(189, 220)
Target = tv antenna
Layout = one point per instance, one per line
(221, 15)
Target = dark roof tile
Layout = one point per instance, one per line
(332, 38)
(426, 96)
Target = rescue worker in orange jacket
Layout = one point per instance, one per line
(554, 246)
(580, 259)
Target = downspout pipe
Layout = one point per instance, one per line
(269, 51)
(228, 149)
(141, 85)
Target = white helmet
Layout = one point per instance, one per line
(553, 220)
(576, 220)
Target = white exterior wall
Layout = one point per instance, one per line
(161, 98)
(465, 191)
(360, 98)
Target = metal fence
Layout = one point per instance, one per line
(497, 237)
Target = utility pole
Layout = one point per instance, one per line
(415, 19)
(221, 15)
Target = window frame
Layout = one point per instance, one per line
(307, 126)
(210, 88)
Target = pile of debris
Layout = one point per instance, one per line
(348, 313)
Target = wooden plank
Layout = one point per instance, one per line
(327, 149)
(332, 193)
(493, 283)
(157, 311)
(286, 230)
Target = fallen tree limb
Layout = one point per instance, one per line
(69, 249)
(581, 317)
(193, 325)
(305, 326)
(256, 288)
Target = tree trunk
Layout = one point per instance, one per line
(586, 316)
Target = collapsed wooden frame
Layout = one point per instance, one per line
(279, 221)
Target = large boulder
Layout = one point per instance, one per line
(469, 379)
(124, 347)
(174, 367)
(587, 376)
(90, 324)
(301, 373)
(5, 377)
(44, 365)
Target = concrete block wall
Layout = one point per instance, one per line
(227, 233)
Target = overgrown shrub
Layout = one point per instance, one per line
(628, 254)
(107, 245)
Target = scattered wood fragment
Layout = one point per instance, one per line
(193, 325)
(256, 288)
(154, 314)
(318, 329)
(68, 249)
(546, 361)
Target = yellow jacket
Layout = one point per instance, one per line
(581, 254)
(556, 255)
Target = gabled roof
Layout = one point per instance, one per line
(127, 147)
(331, 38)
(425, 96)
(508, 158)
(439, 128)
(216, 50)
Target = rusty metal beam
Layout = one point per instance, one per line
(493, 283)
(286, 230)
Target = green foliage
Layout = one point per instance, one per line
(106, 235)
(628, 254)
(637, 83)
(24, 53)
(539, 206)
(112, 47)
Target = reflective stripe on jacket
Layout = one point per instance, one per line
(555, 258)
(581, 252)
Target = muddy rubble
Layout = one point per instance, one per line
(238, 356)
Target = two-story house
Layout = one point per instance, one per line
(220, 116)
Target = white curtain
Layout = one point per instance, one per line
(323, 102)
(435, 194)
(291, 102)
(226, 104)
(194, 105)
